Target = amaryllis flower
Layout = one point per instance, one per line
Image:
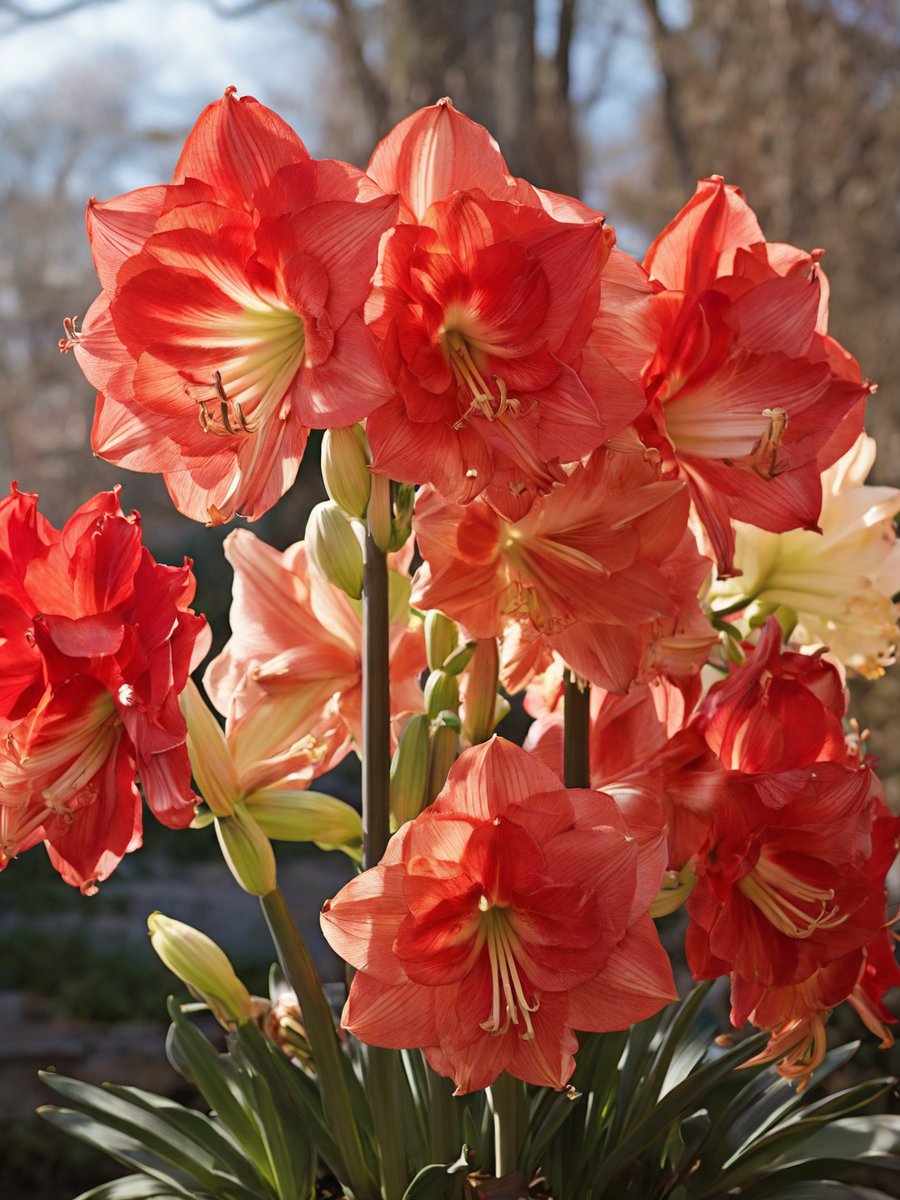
(779, 710)
(510, 913)
(750, 398)
(782, 887)
(841, 583)
(229, 319)
(291, 670)
(484, 303)
(96, 643)
(586, 571)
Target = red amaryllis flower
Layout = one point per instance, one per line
(229, 321)
(779, 710)
(96, 642)
(750, 399)
(782, 886)
(292, 666)
(484, 303)
(586, 571)
(508, 914)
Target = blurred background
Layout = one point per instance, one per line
(625, 103)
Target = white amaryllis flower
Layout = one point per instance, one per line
(840, 583)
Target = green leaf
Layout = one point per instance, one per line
(132, 1187)
(681, 1102)
(432, 1183)
(220, 1085)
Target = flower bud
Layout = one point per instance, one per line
(334, 545)
(379, 513)
(285, 1026)
(409, 770)
(198, 962)
(345, 469)
(247, 851)
(441, 638)
(403, 514)
(301, 816)
(481, 692)
(211, 763)
(457, 662)
(444, 751)
(441, 691)
(675, 888)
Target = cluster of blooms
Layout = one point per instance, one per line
(622, 469)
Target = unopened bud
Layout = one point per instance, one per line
(457, 662)
(441, 638)
(198, 962)
(301, 816)
(211, 763)
(409, 770)
(444, 751)
(345, 469)
(403, 514)
(675, 888)
(379, 514)
(441, 691)
(284, 1024)
(481, 692)
(247, 851)
(334, 545)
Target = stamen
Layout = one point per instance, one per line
(763, 456)
(774, 890)
(228, 411)
(505, 976)
(72, 338)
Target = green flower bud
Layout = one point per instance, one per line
(334, 545)
(673, 891)
(444, 751)
(198, 962)
(457, 662)
(409, 770)
(441, 638)
(481, 692)
(403, 514)
(300, 816)
(345, 469)
(441, 691)
(247, 851)
(379, 514)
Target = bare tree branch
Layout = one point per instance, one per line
(23, 14)
(673, 109)
(349, 33)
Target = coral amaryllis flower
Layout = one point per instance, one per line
(782, 886)
(507, 915)
(750, 399)
(779, 710)
(96, 643)
(586, 570)
(841, 583)
(291, 670)
(484, 303)
(229, 320)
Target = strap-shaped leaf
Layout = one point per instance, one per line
(131, 1187)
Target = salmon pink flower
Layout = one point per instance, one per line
(97, 643)
(291, 671)
(586, 571)
(510, 913)
(750, 398)
(484, 303)
(229, 320)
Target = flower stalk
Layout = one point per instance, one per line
(510, 1104)
(576, 736)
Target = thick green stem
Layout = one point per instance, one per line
(510, 1104)
(376, 707)
(333, 1069)
(382, 1066)
(577, 733)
